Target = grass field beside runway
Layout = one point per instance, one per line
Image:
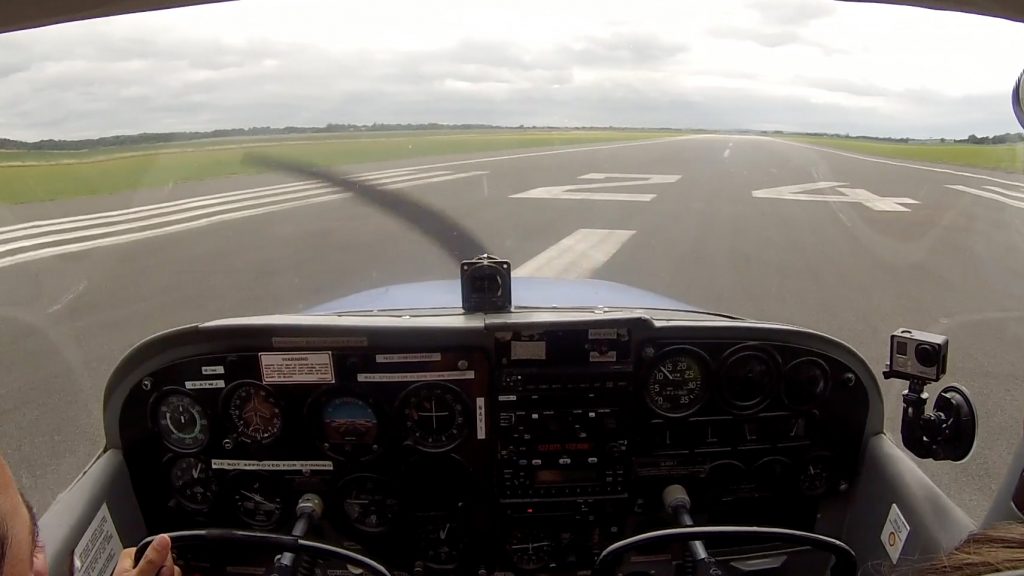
(1002, 157)
(38, 176)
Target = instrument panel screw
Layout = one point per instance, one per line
(227, 444)
(648, 352)
(463, 364)
(147, 383)
(849, 379)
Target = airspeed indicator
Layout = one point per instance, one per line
(677, 385)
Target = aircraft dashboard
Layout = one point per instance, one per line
(494, 444)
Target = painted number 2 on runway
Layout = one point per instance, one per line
(855, 195)
(572, 191)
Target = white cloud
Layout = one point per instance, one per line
(780, 64)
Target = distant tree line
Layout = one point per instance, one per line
(147, 138)
(1008, 138)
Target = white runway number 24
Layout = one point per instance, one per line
(855, 195)
(574, 191)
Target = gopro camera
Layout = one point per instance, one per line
(915, 355)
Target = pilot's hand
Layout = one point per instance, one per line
(157, 561)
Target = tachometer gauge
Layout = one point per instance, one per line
(678, 383)
(369, 502)
(182, 422)
(435, 415)
(257, 499)
(192, 483)
(531, 549)
(254, 410)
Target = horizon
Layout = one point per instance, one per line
(324, 130)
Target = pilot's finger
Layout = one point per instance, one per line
(125, 562)
(177, 571)
(168, 567)
(155, 558)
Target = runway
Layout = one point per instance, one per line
(762, 228)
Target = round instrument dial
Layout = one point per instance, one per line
(369, 502)
(748, 381)
(348, 427)
(435, 415)
(815, 475)
(531, 549)
(806, 382)
(678, 383)
(439, 541)
(182, 422)
(192, 483)
(255, 411)
(257, 499)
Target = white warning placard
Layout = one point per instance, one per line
(294, 367)
(413, 357)
(203, 384)
(223, 464)
(894, 533)
(481, 419)
(98, 550)
(416, 376)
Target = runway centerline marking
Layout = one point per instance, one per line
(578, 255)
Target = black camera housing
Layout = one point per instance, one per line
(486, 284)
(916, 355)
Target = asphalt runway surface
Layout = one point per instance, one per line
(699, 219)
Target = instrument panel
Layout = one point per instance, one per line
(526, 453)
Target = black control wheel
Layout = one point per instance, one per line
(222, 537)
(845, 561)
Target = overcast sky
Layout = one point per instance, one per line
(810, 65)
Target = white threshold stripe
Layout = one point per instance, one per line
(159, 220)
(36, 228)
(158, 209)
(382, 173)
(153, 206)
(984, 194)
(389, 178)
(1005, 191)
(578, 255)
(69, 248)
(438, 179)
(219, 207)
(894, 163)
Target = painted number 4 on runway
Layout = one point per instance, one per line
(574, 191)
(855, 195)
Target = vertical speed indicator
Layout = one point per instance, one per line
(678, 383)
